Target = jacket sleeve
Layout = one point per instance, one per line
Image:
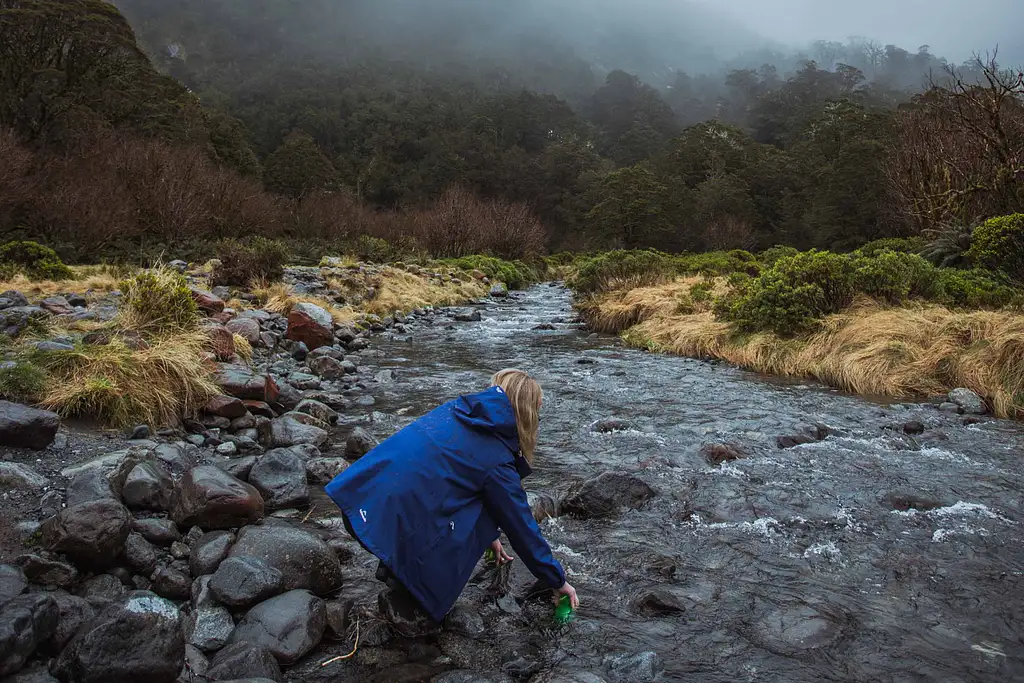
(506, 501)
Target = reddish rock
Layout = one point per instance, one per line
(222, 342)
(259, 408)
(223, 318)
(246, 328)
(311, 325)
(210, 498)
(241, 382)
(222, 405)
(207, 301)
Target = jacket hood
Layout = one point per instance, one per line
(490, 410)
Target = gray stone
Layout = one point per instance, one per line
(148, 487)
(280, 477)
(25, 622)
(303, 381)
(470, 317)
(101, 589)
(13, 582)
(970, 402)
(140, 554)
(241, 661)
(305, 560)
(89, 486)
(460, 676)
(950, 408)
(209, 551)
(209, 628)
(326, 367)
(91, 534)
(171, 584)
(162, 532)
(499, 290)
(323, 470)
(18, 476)
(241, 581)
(227, 449)
(609, 425)
(25, 427)
(238, 468)
(50, 504)
(317, 410)
(289, 625)
(560, 675)
(212, 499)
(140, 638)
(46, 572)
(642, 667)
(606, 494)
(311, 325)
(465, 621)
(338, 621)
(75, 612)
(173, 458)
(288, 431)
(359, 443)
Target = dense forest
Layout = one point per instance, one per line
(468, 126)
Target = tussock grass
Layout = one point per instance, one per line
(94, 279)
(867, 349)
(402, 291)
(612, 313)
(243, 348)
(123, 386)
(280, 298)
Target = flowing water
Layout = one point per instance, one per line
(869, 556)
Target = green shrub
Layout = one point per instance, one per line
(248, 261)
(158, 300)
(905, 245)
(998, 244)
(640, 268)
(718, 263)
(21, 381)
(515, 274)
(947, 246)
(973, 289)
(895, 276)
(769, 257)
(34, 260)
(701, 292)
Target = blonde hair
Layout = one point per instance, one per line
(525, 396)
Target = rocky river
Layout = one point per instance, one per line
(718, 525)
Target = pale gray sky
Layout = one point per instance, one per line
(953, 28)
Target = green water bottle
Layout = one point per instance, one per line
(563, 611)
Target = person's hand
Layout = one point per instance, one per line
(567, 589)
(500, 556)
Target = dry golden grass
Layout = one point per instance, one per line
(868, 349)
(402, 291)
(243, 348)
(279, 298)
(621, 309)
(122, 386)
(92, 279)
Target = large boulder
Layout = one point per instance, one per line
(606, 494)
(280, 477)
(148, 487)
(241, 582)
(212, 499)
(288, 431)
(311, 325)
(139, 638)
(91, 534)
(75, 612)
(359, 443)
(289, 626)
(14, 475)
(241, 382)
(305, 560)
(25, 622)
(25, 427)
(244, 661)
(970, 402)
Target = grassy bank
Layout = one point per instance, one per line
(881, 323)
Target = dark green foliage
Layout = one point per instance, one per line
(768, 257)
(243, 262)
(947, 247)
(998, 244)
(515, 274)
(623, 268)
(21, 381)
(718, 263)
(298, 167)
(894, 276)
(907, 245)
(34, 260)
(974, 289)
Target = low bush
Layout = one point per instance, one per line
(21, 381)
(893, 276)
(157, 300)
(718, 263)
(515, 274)
(33, 260)
(972, 289)
(768, 257)
(998, 244)
(243, 262)
(905, 245)
(623, 269)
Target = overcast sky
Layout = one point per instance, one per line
(953, 28)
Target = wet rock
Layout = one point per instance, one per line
(311, 325)
(303, 559)
(13, 582)
(209, 551)
(140, 432)
(327, 368)
(171, 584)
(25, 622)
(25, 427)
(385, 377)
(807, 434)
(543, 506)
(261, 410)
(606, 494)
(91, 534)
(404, 614)
(209, 628)
(642, 667)
(904, 500)
(338, 621)
(609, 425)
(47, 572)
(196, 665)
(241, 661)
(181, 550)
(212, 499)
(563, 676)
(280, 477)
(223, 405)
(300, 351)
(140, 554)
(471, 317)
(545, 327)
(172, 457)
(75, 612)
(241, 581)
(359, 443)
(659, 602)
(101, 589)
(970, 402)
(287, 431)
(323, 470)
(148, 487)
(227, 449)
(140, 638)
(499, 290)
(237, 467)
(317, 410)
(289, 626)
(246, 328)
(794, 630)
(207, 302)
(465, 621)
(162, 532)
(913, 427)
(950, 408)
(717, 453)
(14, 475)
(241, 382)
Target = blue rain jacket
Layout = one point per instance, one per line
(429, 500)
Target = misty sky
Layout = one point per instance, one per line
(953, 28)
